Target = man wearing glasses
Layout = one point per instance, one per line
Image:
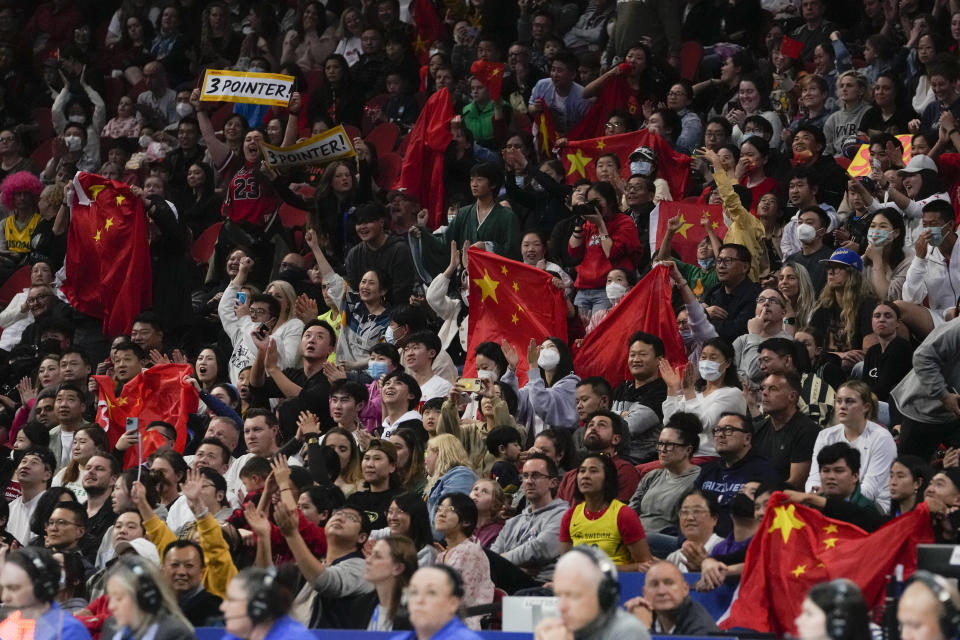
(530, 540)
(767, 322)
(66, 527)
(738, 464)
(730, 304)
(339, 577)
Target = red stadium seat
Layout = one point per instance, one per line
(314, 79)
(42, 154)
(291, 217)
(220, 115)
(388, 169)
(17, 281)
(352, 131)
(383, 138)
(202, 248)
(691, 53)
(376, 102)
(113, 90)
(402, 145)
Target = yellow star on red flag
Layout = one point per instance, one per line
(503, 269)
(516, 287)
(831, 543)
(96, 236)
(578, 162)
(684, 227)
(786, 521)
(830, 528)
(120, 200)
(488, 286)
(108, 224)
(800, 570)
(601, 144)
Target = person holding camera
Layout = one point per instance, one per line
(31, 580)
(602, 239)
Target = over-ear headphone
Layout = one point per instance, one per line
(40, 567)
(838, 623)
(148, 593)
(949, 613)
(260, 605)
(608, 593)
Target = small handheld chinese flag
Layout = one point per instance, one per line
(545, 133)
(791, 48)
(490, 74)
(511, 301)
(691, 232)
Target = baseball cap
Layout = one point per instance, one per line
(845, 257)
(142, 547)
(388, 448)
(918, 164)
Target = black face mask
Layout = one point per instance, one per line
(292, 274)
(741, 506)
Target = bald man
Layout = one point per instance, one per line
(666, 607)
(577, 582)
(921, 607)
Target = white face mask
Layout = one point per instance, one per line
(549, 359)
(77, 118)
(643, 168)
(74, 143)
(709, 370)
(615, 290)
(806, 232)
(144, 141)
(485, 374)
(184, 109)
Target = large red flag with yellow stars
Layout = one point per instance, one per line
(157, 393)
(108, 253)
(691, 232)
(579, 157)
(511, 301)
(646, 307)
(544, 133)
(797, 547)
(428, 27)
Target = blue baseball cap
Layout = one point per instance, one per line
(846, 258)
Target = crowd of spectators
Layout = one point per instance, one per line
(326, 321)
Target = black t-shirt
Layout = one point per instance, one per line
(882, 370)
(314, 396)
(793, 443)
(374, 504)
(829, 321)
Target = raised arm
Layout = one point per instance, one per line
(219, 152)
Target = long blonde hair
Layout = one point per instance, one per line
(289, 296)
(806, 295)
(132, 572)
(450, 454)
(855, 290)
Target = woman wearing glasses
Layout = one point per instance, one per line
(456, 518)
(660, 490)
(599, 519)
(715, 391)
(697, 517)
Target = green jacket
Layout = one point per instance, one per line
(501, 227)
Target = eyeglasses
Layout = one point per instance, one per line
(726, 261)
(445, 508)
(7, 139)
(37, 298)
(727, 431)
(60, 523)
(533, 475)
(669, 446)
(632, 188)
(677, 94)
(348, 514)
(769, 300)
(258, 311)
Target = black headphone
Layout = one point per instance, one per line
(608, 593)
(838, 624)
(949, 613)
(39, 566)
(262, 603)
(149, 598)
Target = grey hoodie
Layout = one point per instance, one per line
(936, 371)
(532, 538)
(841, 127)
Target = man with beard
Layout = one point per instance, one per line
(99, 476)
(605, 430)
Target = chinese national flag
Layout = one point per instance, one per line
(691, 232)
(797, 547)
(490, 74)
(646, 307)
(579, 157)
(511, 301)
(157, 393)
(616, 95)
(108, 254)
(545, 133)
(428, 27)
(422, 170)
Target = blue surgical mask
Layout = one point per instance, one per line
(376, 369)
(705, 264)
(936, 236)
(878, 237)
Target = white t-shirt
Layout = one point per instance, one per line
(20, 513)
(435, 387)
